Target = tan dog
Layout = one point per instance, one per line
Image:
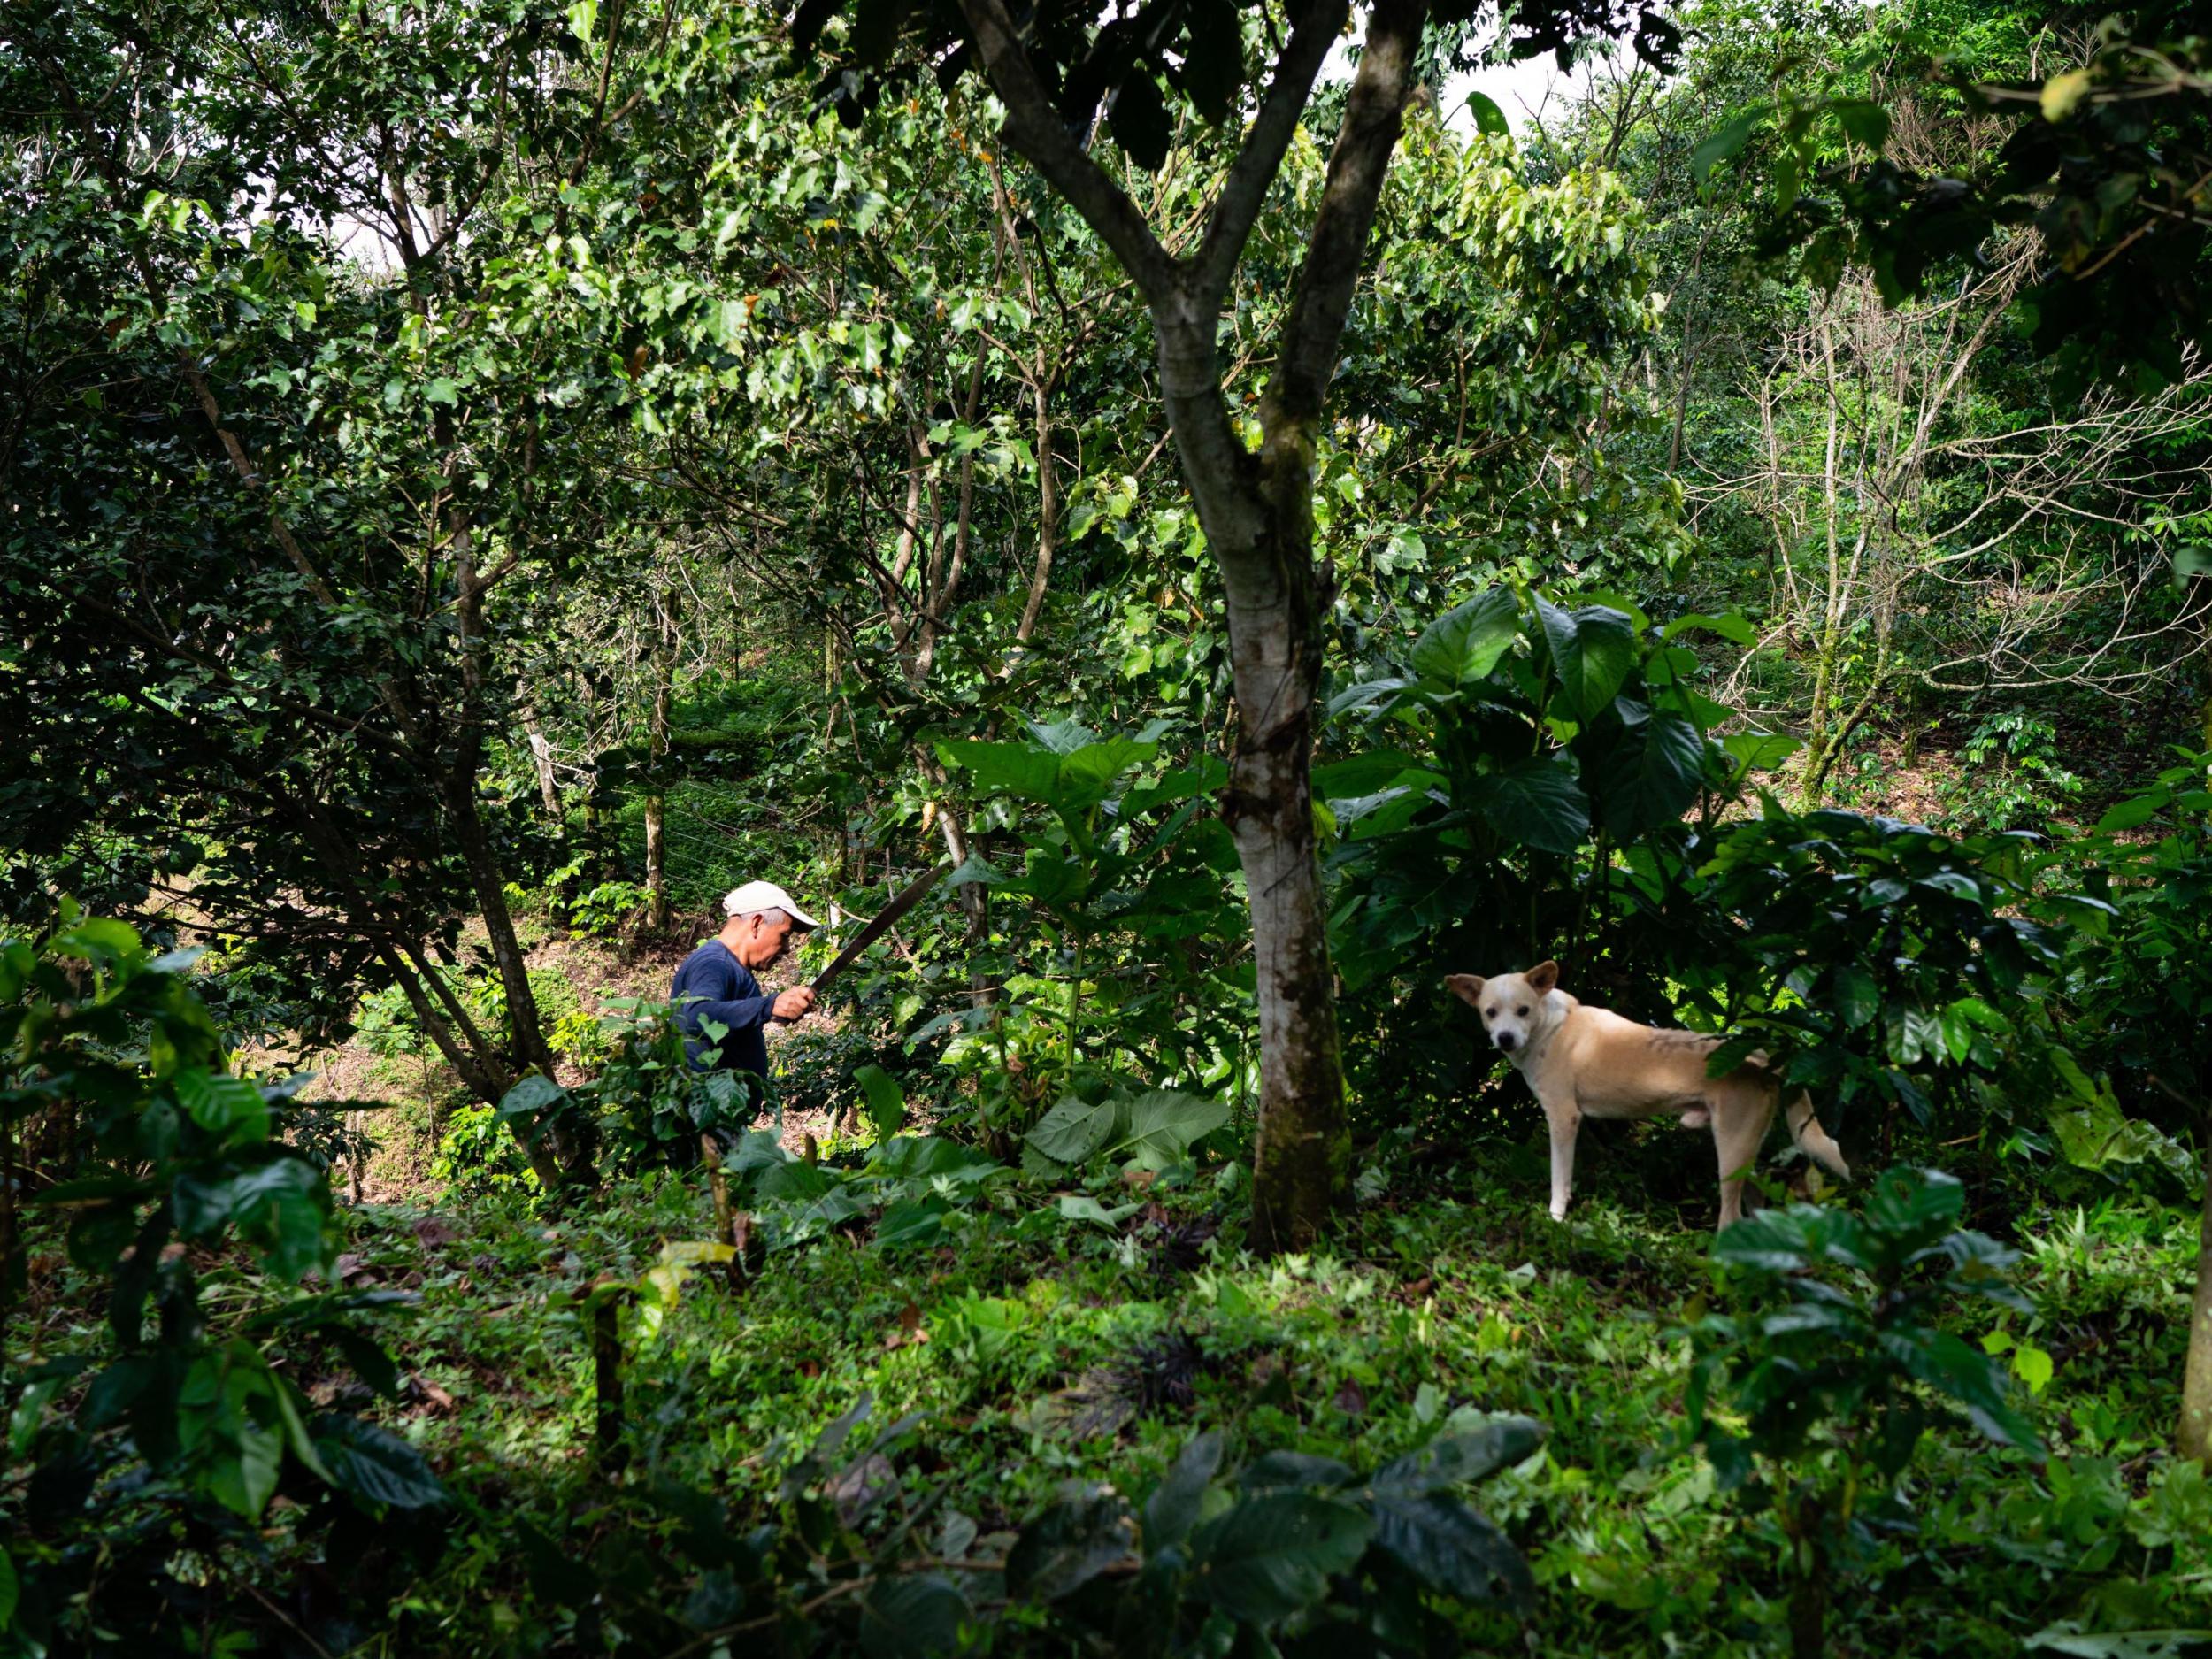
(1584, 1061)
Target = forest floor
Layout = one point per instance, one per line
(1033, 1348)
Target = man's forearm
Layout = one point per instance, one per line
(738, 1013)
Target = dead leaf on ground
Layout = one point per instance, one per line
(432, 1231)
(1351, 1399)
(910, 1332)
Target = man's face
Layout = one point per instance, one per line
(765, 937)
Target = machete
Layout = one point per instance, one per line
(906, 899)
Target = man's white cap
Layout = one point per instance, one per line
(764, 895)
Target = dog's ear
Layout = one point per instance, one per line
(1466, 987)
(1542, 977)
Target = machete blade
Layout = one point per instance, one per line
(907, 898)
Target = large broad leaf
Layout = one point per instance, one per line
(533, 1094)
(1536, 803)
(1084, 774)
(1592, 651)
(282, 1207)
(1271, 1554)
(373, 1466)
(1650, 774)
(1450, 1548)
(904, 1617)
(1079, 1536)
(226, 1107)
(1759, 751)
(887, 1101)
(1015, 769)
(1464, 644)
(1162, 1126)
(1457, 1459)
(912, 1225)
(1073, 1131)
(1173, 1508)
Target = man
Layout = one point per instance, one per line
(716, 982)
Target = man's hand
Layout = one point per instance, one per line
(793, 1002)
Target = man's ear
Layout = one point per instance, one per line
(1542, 977)
(1466, 987)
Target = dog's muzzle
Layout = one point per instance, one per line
(1506, 1042)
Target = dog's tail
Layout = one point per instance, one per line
(1812, 1139)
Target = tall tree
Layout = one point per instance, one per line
(1063, 73)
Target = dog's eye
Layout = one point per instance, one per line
(1490, 1013)
(1523, 1011)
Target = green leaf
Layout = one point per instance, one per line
(909, 1615)
(1022, 770)
(1651, 774)
(11, 1590)
(1727, 142)
(2131, 814)
(1592, 651)
(887, 1101)
(2069, 1639)
(1139, 118)
(1457, 1459)
(1162, 1126)
(911, 1225)
(1465, 644)
(1867, 123)
(1730, 626)
(1858, 999)
(1079, 1536)
(372, 1466)
(1760, 751)
(227, 1107)
(1073, 1131)
(533, 1094)
(1173, 1510)
(1537, 802)
(1271, 1555)
(1083, 1206)
(1451, 1548)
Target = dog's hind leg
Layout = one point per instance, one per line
(1817, 1142)
(1740, 1116)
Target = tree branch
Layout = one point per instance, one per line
(1035, 128)
(1373, 116)
(1236, 207)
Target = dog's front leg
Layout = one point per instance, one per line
(1564, 1119)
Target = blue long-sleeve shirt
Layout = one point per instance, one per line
(727, 993)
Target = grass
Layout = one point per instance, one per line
(1033, 1349)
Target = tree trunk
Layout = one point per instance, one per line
(2194, 1440)
(487, 880)
(657, 756)
(1257, 513)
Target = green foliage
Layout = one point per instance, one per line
(914, 1190)
(1293, 1539)
(1840, 1366)
(1122, 875)
(1152, 1131)
(1879, 961)
(191, 1413)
